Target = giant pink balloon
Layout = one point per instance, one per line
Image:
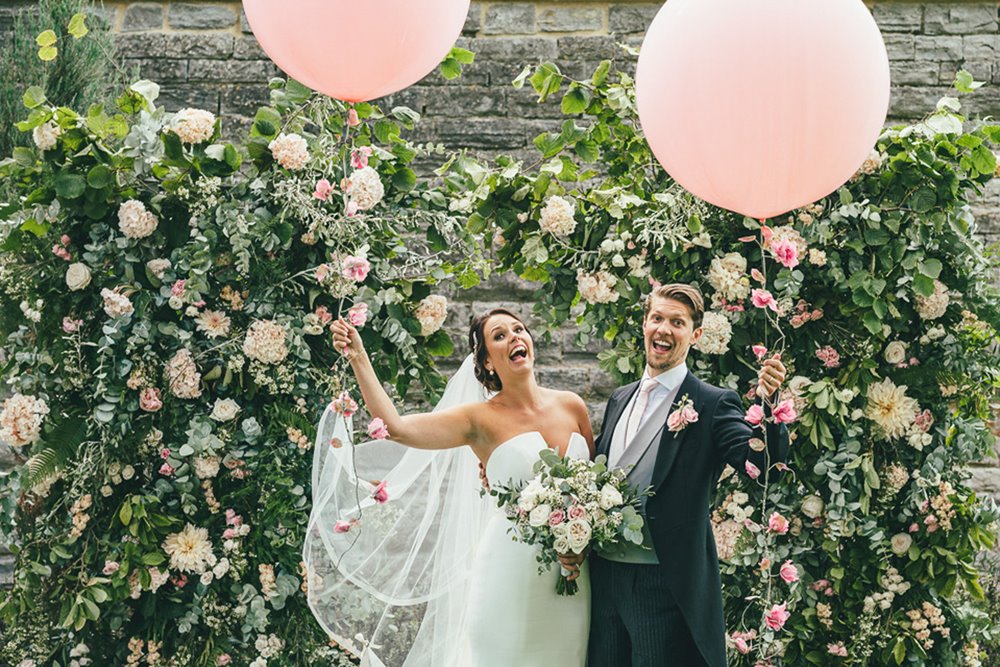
(356, 50)
(762, 106)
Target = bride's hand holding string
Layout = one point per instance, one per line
(346, 339)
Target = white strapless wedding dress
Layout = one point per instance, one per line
(515, 617)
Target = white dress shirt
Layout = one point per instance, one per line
(663, 395)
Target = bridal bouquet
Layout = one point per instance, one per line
(570, 505)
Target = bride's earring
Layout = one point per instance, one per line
(492, 373)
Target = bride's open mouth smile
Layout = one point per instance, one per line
(519, 354)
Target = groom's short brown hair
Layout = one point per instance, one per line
(689, 295)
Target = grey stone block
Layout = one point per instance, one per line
(461, 100)
(512, 49)
(593, 48)
(244, 99)
(631, 18)
(960, 19)
(176, 45)
(232, 71)
(143, 16)
(938, 48)
(247, 48)
(570, 19)
(473, 22)
(914, 73)
(898, 17)
(986, 480)
(981, 47)
(516, 18)
(196, 16)
(899, 46)
(161, 70)
(245, 23)
(982, 70)
(180, 95)
(910, 102)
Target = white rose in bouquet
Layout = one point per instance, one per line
(579, 532)
(610, 497)
(77, 276)
(539, 516)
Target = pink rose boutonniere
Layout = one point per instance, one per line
(684, 415)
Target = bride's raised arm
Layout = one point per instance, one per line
(443, 429)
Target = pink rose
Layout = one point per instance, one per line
(377, 429)
(357, 314)
(820, 584)
(784, 412)
(752, 470)
(679, 419)
(654, 283)
(164, 454)
(166, 470)
(352, 209)
(776, 617)
(741, 645)
(788, 572)
(229, 534)
(837, 649)
(577, 512)
(787, 253)
(556, 517)
(232, 518)
(223, 659)
(380, 494)
(61, 253)
(178, 288)
(755, 415)
(149, 399)
(180, 581)
(110, 566)
(761, 298)
(913, 528)
(766, 233)
(359, 157)
(323, 314)
(323, 189)
(341, 526)
(759, 351)
(70, 325)
(355, 268)
(777, 524)
(345, 405)
(322, 272)
(352, 118)
(64, 239)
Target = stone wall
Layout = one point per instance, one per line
(203, 54)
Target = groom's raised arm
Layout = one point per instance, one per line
(731, 434)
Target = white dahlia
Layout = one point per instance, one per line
(190, 550)
(890, 408)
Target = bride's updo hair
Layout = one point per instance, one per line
(477, 344)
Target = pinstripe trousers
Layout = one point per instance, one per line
(635, 620)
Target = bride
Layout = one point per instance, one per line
(407, 563)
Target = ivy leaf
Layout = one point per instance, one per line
(575, 100)
(451, 66)
(964, 82)
(78, 25)
(33, 97)
(47, 38)
(983, 160)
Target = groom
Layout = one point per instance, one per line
(661, 606)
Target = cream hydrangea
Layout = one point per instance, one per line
(190, 550)
(21, 420)
(716, 334)
(727, 275)
(193, 126)
(265, 342)
(597, 287)
(206, 467)
(158, 267)
(116, 304)
(135, 221)
(46, 135)
(557, 217)
(890, 408)
(183, 376)
(431, 313)
(933, 306)
(290, 151)
(365, 188)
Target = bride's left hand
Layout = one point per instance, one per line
(571, 563)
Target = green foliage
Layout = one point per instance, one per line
(84, 72)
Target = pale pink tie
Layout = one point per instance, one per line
(635, 416)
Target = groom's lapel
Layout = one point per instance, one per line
(670, 441)
(613, 414)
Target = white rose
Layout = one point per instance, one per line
(740, 497)
(221, 568)
(895, 352)
(526, 502)
(901, 543)
(128, 472)
(224, 410)
(578, 533)
(561, 545)
(560, 530)
(207, 578)
(77, 276)
(812, 506)
(539, 516)
(610, 497)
